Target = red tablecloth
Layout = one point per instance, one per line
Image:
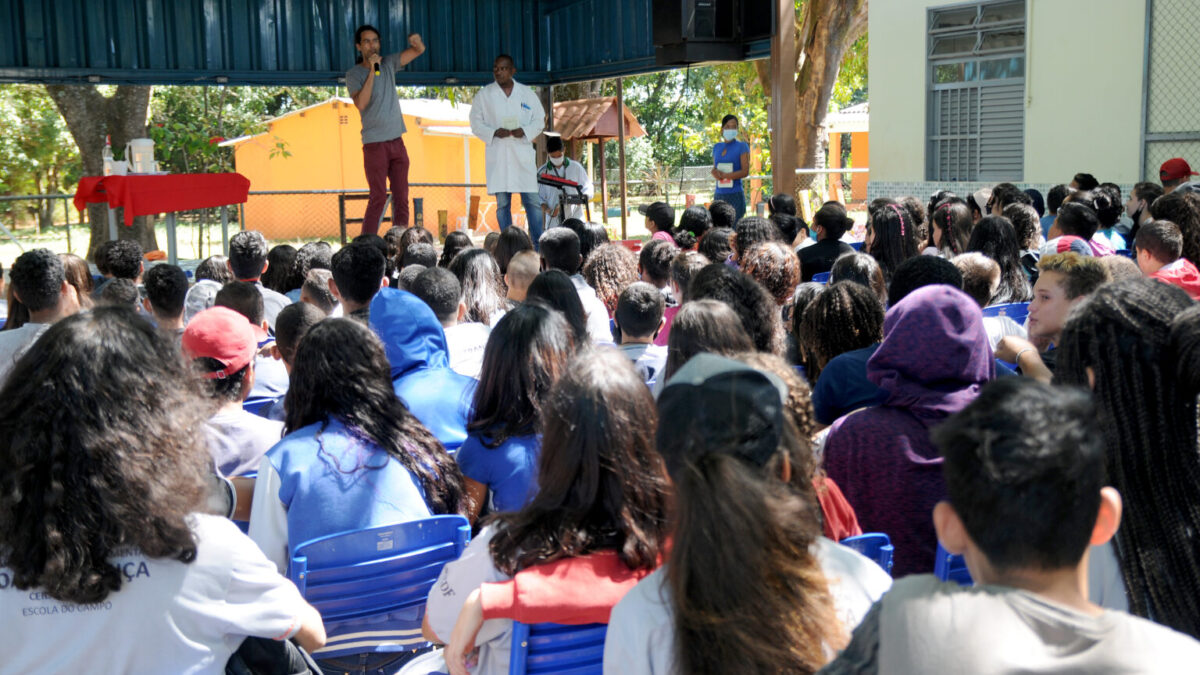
(148, 195)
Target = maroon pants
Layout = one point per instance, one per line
(384, 161)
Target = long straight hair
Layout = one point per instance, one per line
(1145, 387)
(525, 354)
(601, 483)
(342, 372)
(749, 594)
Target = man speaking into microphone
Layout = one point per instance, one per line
(372, 85)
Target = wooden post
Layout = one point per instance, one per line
(473, 214)
(784, 150)
(603, 182)
(547, 96)
(621, 149)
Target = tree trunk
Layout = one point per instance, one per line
(830, 28)
(91, 116)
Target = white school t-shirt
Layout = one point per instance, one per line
(466, 343)
(168, 616)
(641, 629)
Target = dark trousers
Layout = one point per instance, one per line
(386, 161)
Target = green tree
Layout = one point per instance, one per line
(37, 155)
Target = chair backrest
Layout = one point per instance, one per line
(634, 245)
(378, 578)
(555, 648)
(1017, 311)
(875, 545)
(949, 567)
(821, 277)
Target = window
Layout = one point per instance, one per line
(976, 75)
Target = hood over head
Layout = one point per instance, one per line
(411, 334)
(935, 355)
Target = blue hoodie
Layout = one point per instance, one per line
(416, 347)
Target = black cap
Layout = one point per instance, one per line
(554, 141)
(737, 409)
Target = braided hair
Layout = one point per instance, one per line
(847, 316)
(1127, 335)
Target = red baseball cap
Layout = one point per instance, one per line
(221, 334)
(1174, 169)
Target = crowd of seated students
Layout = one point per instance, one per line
(671, 442)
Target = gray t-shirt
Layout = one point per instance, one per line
(381, 120)
(925, 626)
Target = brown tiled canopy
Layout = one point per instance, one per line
(593, 118)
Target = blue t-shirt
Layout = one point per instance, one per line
(730, 152)
(843, 386)
(509, 470)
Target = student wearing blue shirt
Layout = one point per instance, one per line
(526, 353)
(354, 458)
(731, 162)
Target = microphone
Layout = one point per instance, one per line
(376, 70)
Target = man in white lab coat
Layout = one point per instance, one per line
(561, 166)
(507, 116)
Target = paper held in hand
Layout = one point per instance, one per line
(725, 167)
(511, 122)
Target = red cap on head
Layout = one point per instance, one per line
(1174, 169)
(221, 334)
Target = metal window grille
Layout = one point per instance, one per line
(976, 74)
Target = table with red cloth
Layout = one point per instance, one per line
(145, 195)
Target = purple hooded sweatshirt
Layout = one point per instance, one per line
(934, 359)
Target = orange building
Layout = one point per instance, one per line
(855, 121)
(320, 148)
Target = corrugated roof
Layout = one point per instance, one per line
(592, 118)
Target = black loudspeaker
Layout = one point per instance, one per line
(695, 31)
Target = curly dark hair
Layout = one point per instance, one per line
(715, 244)
(601, 484)
(341, 372)
(1183, 209)
(313, 255)
(608, 270)
(847, 316)
(100, 449)
(760, 316)
(776, 266)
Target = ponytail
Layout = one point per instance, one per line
(749, 594)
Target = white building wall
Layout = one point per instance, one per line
(1084, 61)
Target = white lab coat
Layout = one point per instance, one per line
(571, 170)
(511, 163)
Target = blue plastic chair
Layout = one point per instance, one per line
(1128, 253)
(555, 648)
(1017, 311)
(949, 567)
(376, 579)
(875, 545)
(856, 245)
(821, 278)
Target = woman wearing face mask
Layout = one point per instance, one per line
(731, 163)
(559, 165)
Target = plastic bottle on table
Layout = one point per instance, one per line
(108, 156)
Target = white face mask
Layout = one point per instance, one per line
(729, 134)
(557, 161)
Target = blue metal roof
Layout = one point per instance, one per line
(311, 41)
